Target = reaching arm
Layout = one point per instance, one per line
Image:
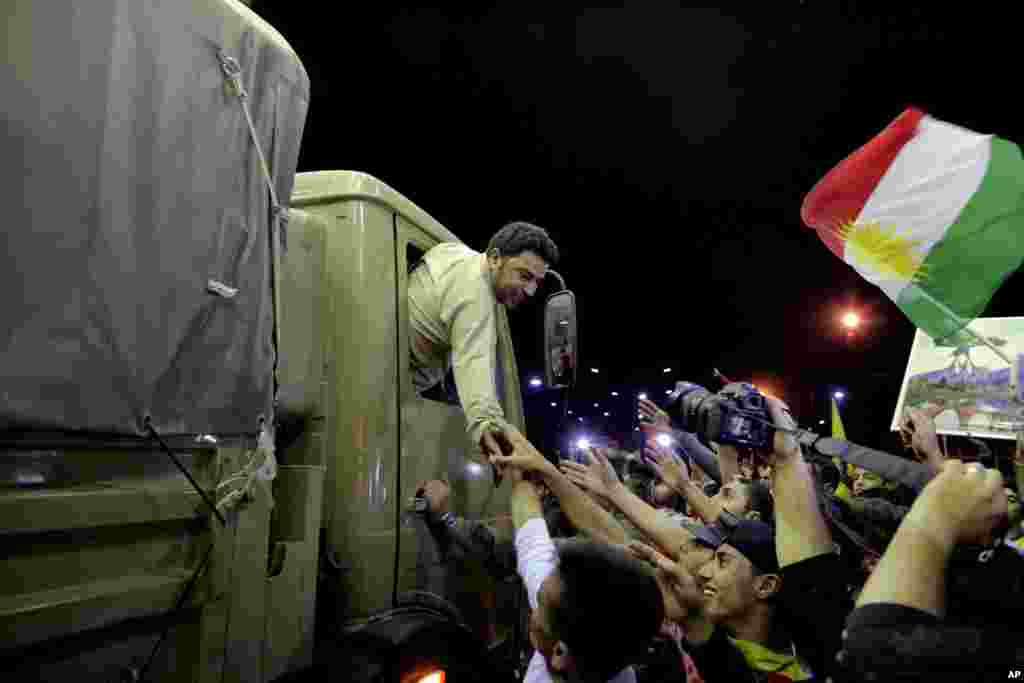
(666, 535)
(672, 472)
(585, 514)
(963, 504)
(800, 528)
(729, 462)
(600, 479)
(472, 317)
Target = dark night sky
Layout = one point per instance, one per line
(667, 150)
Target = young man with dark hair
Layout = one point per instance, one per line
(454, 296)
(595, 607)
(776, 594)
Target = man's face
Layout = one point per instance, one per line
(1012, 504)
(729, 585)
(542, 636)
(516, 278)
(866, 481)
(733, 497)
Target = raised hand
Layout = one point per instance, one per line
(785, 445)
(963, 504)
(679, 586)
(598, 477)
(522, 454)
(667, 466)
(919, 429)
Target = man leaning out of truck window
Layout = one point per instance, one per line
(454, 293)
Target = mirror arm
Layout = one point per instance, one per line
(561, 281)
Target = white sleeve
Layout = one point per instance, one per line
(535, 556)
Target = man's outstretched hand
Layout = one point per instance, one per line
(667, 466)
(521, 454)
(597, 478)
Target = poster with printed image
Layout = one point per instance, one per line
(968, 388)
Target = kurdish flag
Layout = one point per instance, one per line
(931, 213)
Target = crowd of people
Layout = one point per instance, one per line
(712, 563)
(776, 564)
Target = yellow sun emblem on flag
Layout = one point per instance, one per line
(883, 250)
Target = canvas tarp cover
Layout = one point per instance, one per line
(129, 181)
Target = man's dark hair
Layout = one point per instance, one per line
(603, 586)
(515, 238)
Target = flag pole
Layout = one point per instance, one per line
(966, 327)
(986, 342)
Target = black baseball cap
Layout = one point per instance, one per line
(753, 539)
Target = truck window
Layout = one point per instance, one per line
(446, 391)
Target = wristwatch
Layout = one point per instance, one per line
(448, 519)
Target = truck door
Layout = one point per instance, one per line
(435, 446)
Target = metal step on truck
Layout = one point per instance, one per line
(209, 438)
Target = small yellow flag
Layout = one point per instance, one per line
(837, 423)
(839, 433)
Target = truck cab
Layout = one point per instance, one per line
(346, 389)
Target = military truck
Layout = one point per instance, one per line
(209, 441)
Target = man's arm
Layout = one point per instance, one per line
(961, 505)
(600, 479)
(672, 472)
(472, 317)
(800, 528)
(585, 514)
(728, 462)
(536, 557)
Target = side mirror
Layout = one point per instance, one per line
(561, 340)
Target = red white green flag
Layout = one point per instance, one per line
(931, 213)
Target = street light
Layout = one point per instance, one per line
(583, 444)
(642, 397)
(615, 393)
(839, 395)
(594, 370)
(554, 405)
(607, 414)
(851, 320)
(667, 370)
(821, 422)
(664, 440)
(535, 382)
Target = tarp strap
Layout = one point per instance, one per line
(233, 73)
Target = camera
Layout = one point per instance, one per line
(736, 415)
